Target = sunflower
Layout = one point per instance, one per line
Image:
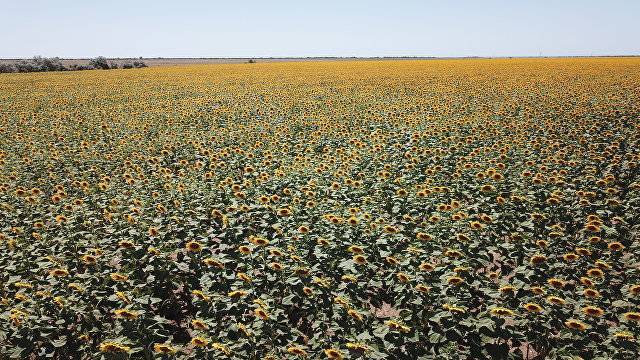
(591, 293)
(615, 246)
(426, 266)
(555, 300)
(261, 313)
(500, 311)
(455, 280)
(360, 259)
(307, 291)
(422, 288)
(126, 244)
(592, 311)
(507, 290)
(126, 314)
(284, 212)
(22, 285)
(391, 260)
(200, 295)
(199, 342)
(532, 307)
(575, 325)
(348, 278)
(59, 272)
(358, 347)
(557, 283)
(199, 324)
(258, 241)
(222, 348)
(163, 349)
(193, 246)
(153, 231)
(355, 314)
(213, 262)
(333, 354)
(537, 259)
(592, 227)
(402, 277)
(237, 294)
(113, 347)
(632, 316)
(295, 350)
(389, 229)
(595, 272)
(624, 335)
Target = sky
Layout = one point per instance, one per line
(300, 28)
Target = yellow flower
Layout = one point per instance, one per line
(118, 277)
(632, 316)
(200, 295)
(58, 272)
(499, 311)
(199, 341)
(359, 347)
(333, 354)
(126, 314)
(294, 350)
(575, 325)
(531, 307)
(259, 241)
(593, 311)
(624, 335)
(163, 349)
(113, 347)
(555, 300)
(360, 259)
(261, 313)
(237, 294)
(193, 246)
(199, 324)
(355, 314)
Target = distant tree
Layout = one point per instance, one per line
(78, 67)
(99, 63)
(139, 64)
(127, 65)
(251, 61)
(7, 68)
(47, 64)
(25, 66)
(113, 65)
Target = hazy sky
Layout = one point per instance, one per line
(247, 28)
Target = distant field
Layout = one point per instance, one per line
(192, 61)
(442, 209)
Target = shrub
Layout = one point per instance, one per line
(99, 63)
(139, 64)
(7, 68)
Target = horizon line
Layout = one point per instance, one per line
(327, 57)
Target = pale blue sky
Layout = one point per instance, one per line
(248, 28)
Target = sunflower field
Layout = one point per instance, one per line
(439, 209)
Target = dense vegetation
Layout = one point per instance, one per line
(40, 64)
(392, 209)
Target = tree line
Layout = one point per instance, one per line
(40, 64)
